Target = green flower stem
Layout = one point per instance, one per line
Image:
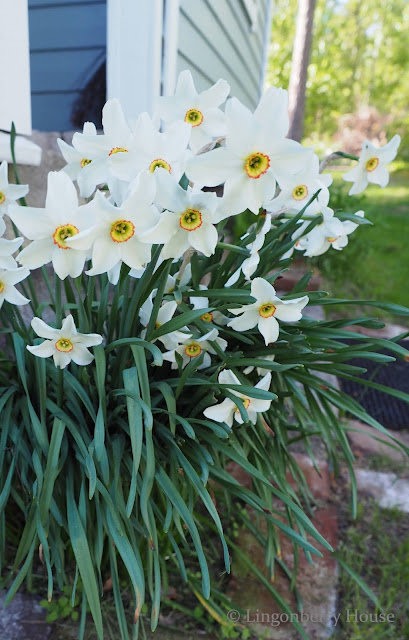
(341, 154)
(90, 296)
(48, 284)
(60, 388)
(16, 319)
(121, 292)
(138, 296)
(158, 300)
(186, 261)
(13, 135)
(58, 303)
(33, 295)
(83, 319)
(336, 154)
(124, 291)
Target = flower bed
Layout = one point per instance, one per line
(172, 354)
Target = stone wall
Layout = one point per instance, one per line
(52, 160)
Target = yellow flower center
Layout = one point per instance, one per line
(372, 164)
(1, 286)
(84, 162)
(117, 150)
(193, 350)
(300, 192)
(191, 220)
(194, 117)
(122, 230)
(331, 239)
(267, 310)
(2, 197)
(246, 402)
(256, 165)
(159, 162)
(62, 233)
(207, 317)
(64, 345)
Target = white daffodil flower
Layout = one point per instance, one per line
(64, 344)
(300, 240)
(148, 149)
(258, 243)
(227, 410)
(203, 303)
(265, 312)
(184, 280)
(371, 165)
(166, 312)
(199, 110)
(138, 273)
(9, 193)
(260, 370)
(256, 152)
(299, 236)
(100, 154)
(250, 264)
(332, 232)
(51, 227)
(8, 292)
(7, 248)
(115, 236)
(188, 219)
(193, 347)
(298, 189)
(114, 273)
(76, 167)
(119, 191)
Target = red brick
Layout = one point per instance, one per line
(316, 583)
(318, 483)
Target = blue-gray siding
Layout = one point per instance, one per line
(67, 45)
(216, 41)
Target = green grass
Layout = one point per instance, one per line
(375, 264)
(380, 462)
(376, 547)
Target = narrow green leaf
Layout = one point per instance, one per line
(130, 561)
(84, 561)
(169, 490)
(180, 321)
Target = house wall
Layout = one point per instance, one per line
(15, 103)
(217, 40)
(67, 45)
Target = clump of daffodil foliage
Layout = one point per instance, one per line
(164, 350)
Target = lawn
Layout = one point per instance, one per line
(376, 547)
(375, 265)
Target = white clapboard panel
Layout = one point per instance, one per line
(134, 53)
(15, 103)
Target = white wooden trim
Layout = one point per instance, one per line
(170, 53)
(134, 53)
(267, 38)
(15, 102)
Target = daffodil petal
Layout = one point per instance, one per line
(269, 329)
